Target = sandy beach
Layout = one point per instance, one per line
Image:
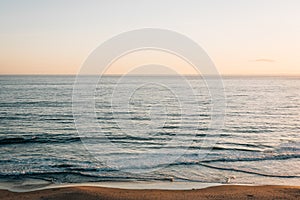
(216, 192)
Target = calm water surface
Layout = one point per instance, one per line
(259, 143)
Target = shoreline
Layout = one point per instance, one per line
(34, 185)
(31, 185)
(212, 192)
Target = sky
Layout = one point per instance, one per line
(242, 37)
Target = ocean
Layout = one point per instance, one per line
(149, 136)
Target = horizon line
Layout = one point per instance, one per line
(195, 75)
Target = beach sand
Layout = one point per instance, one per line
(216, 192)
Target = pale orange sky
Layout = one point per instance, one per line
(241, 37)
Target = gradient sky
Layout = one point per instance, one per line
(243, 37)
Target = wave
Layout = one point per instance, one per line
(35, 139)
(250, 172)
(273, 157)
(35, 103)
(81, 176)
(247, 145)
(69, 139)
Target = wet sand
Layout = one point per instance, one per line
(216, 192)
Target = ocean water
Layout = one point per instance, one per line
(144, 132)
